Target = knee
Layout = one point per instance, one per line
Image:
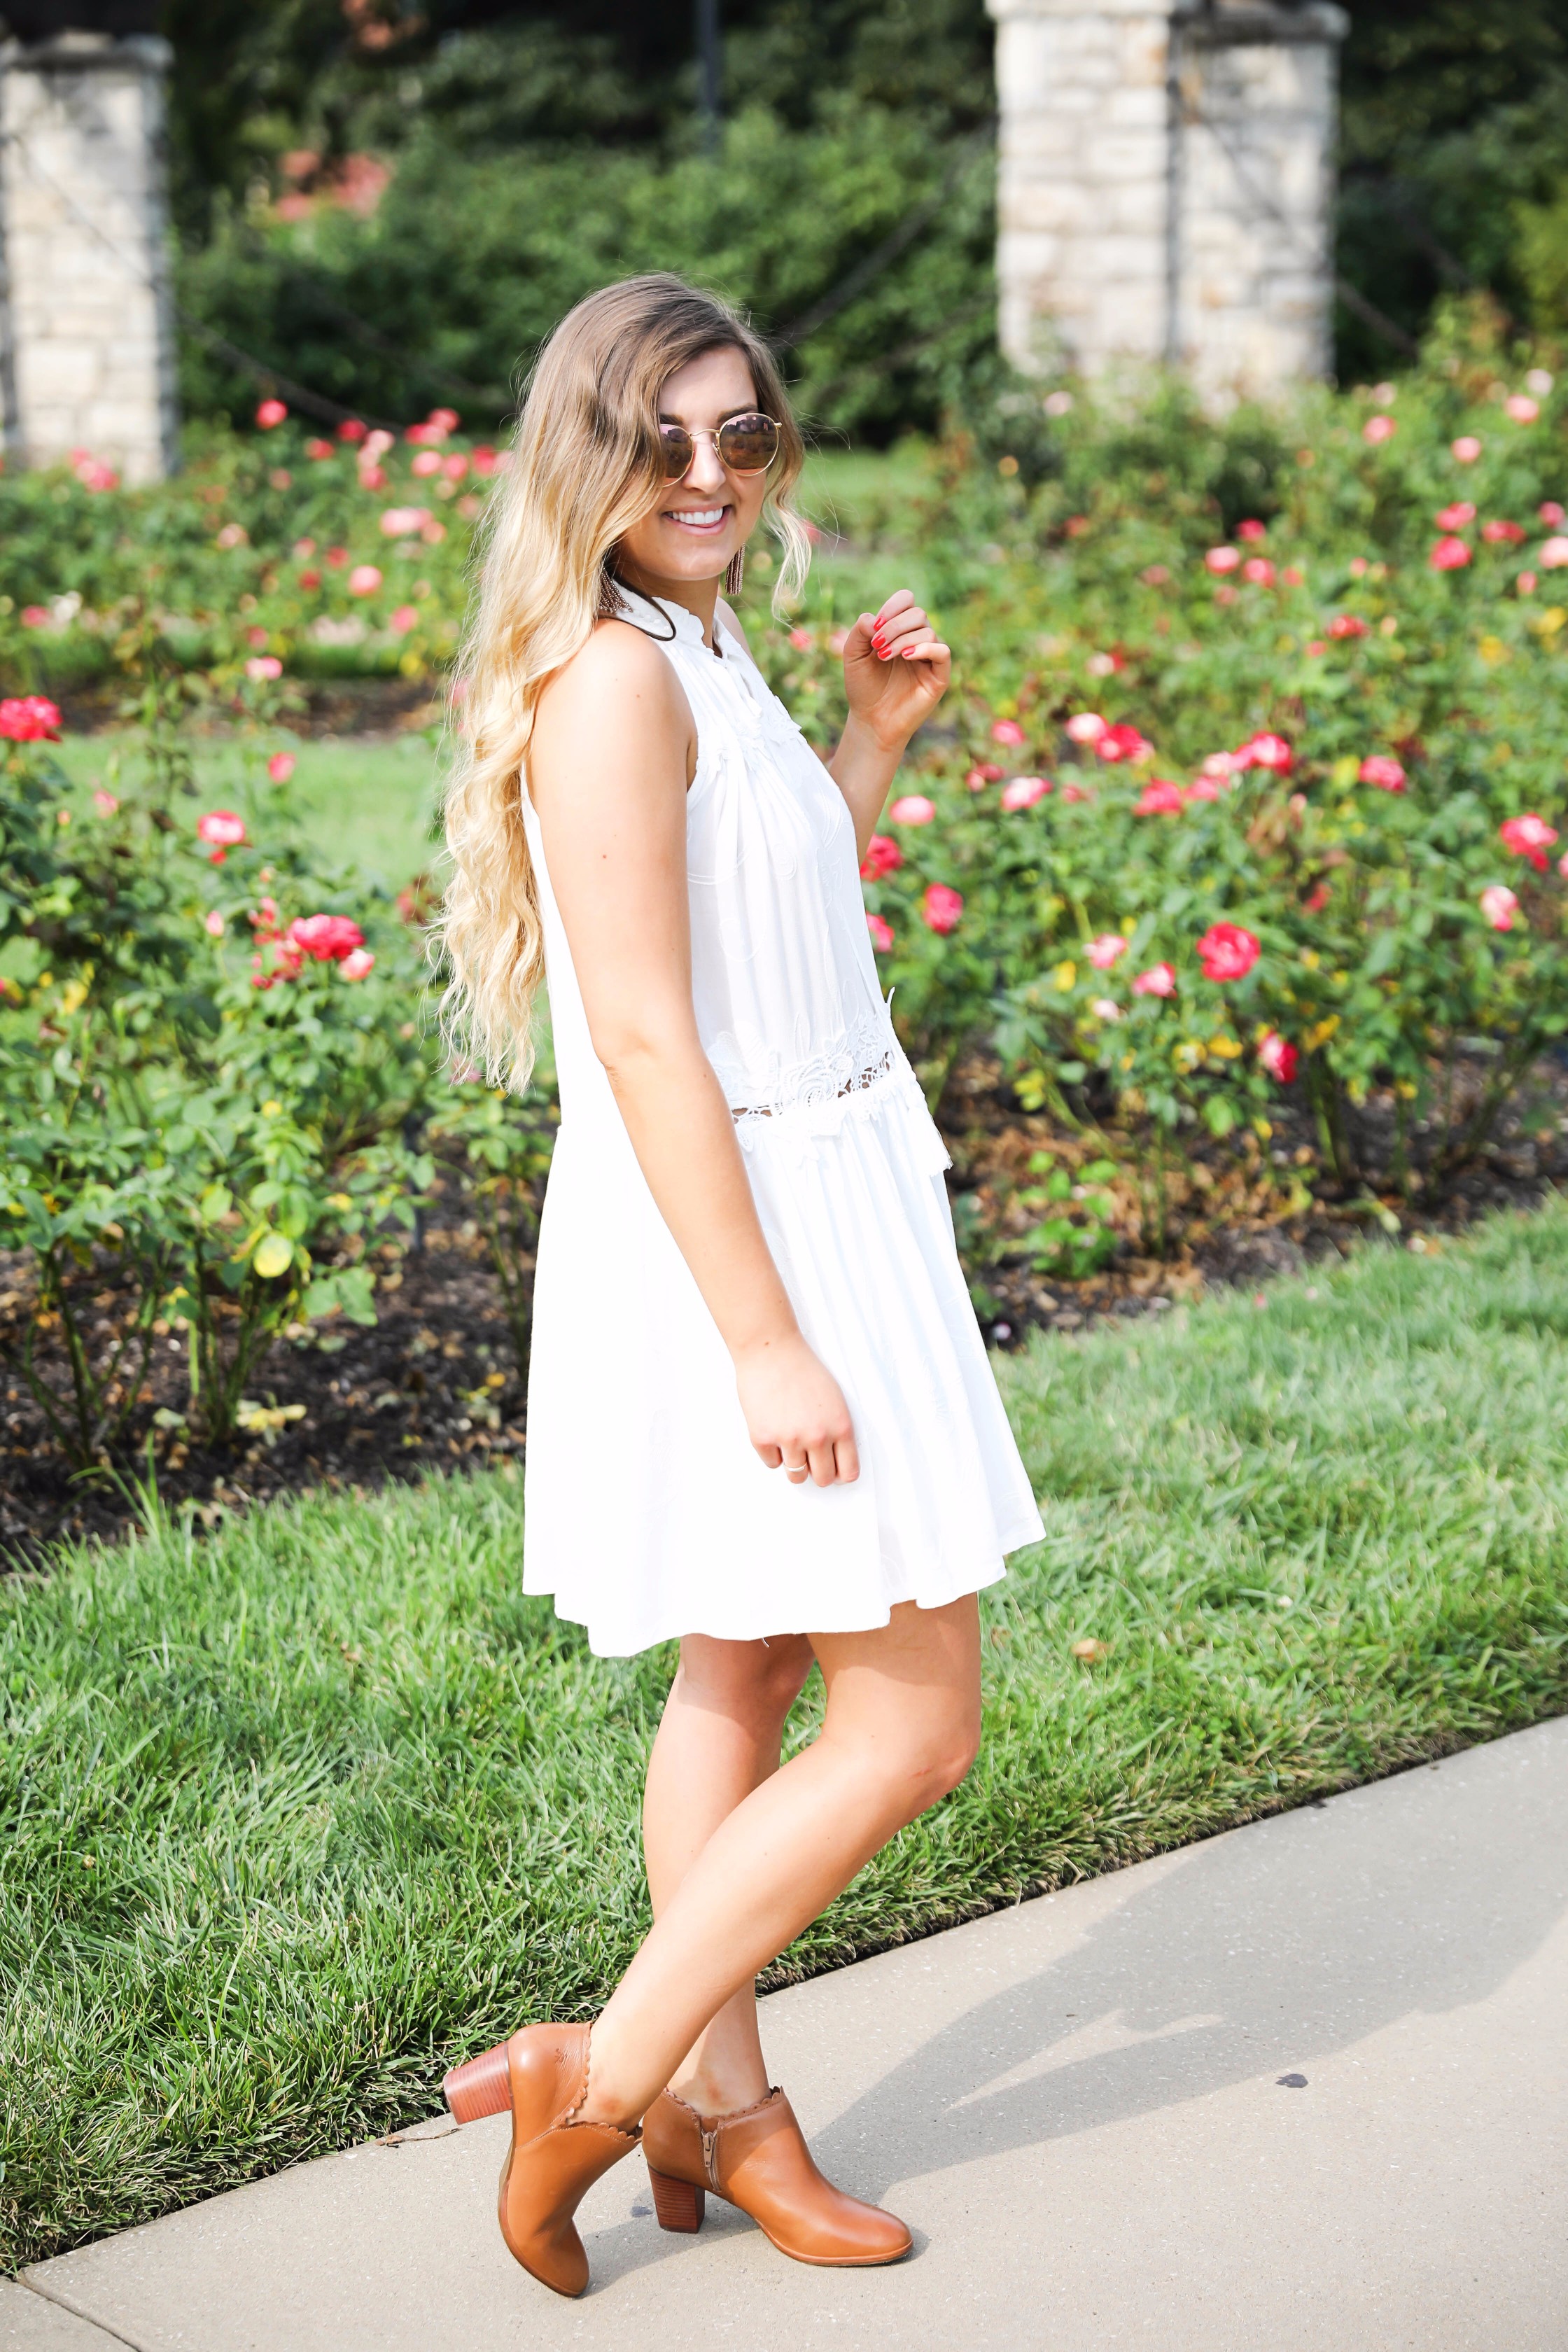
(929, 1768)
(949, 1765)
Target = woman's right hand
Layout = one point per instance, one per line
(796, 1412)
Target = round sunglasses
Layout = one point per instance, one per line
(745, 445)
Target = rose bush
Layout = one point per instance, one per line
(1250, 789)
(216, 1096)
(1318, 800)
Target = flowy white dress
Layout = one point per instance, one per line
(647, 1513)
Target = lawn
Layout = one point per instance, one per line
(368, 802)
(293, 1816)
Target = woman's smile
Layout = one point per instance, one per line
(708, 520)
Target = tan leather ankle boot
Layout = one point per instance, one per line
(758, 2159)
(541, 2074)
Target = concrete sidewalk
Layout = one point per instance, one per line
(1091, 2110)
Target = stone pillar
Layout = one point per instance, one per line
(87, 346)
(1165, 187)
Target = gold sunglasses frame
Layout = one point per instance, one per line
(712, 433)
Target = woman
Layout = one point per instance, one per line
(760, 1413)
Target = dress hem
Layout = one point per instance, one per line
(1010, 1541)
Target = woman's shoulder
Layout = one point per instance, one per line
(617, 672)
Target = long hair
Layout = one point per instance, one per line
(586, 465)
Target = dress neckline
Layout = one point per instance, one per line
(687, 628)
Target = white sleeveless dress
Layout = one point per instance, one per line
(649, 1515)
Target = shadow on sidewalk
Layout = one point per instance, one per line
(1254, 1954)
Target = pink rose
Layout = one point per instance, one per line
(1086, 727)
(1022, 792)
(364, 580)
(271, 413)
(1499, 905)
(405, 618)
(357, 964)
(1160, 980)
(429, 461)
(1553, 554)
(1259, 570)
(1525, 584)
(912, 809)
(1519, 406)
(882, 856)
(1253, 530)
(1529, 837)
(403, 522)
(263, 665)
(1347, 624)
(1160, 797)
(1467, 448)
(212, 922)
(1385, 773)
(1378, 428)
(1103, 951)
(280, 767)
(29, 718)
(1452, 555)
(802, 640)
(1226, 952)
(104, 802)
(1551, 513)
(1498, 534)
(1123, 742)
(329, 939)
(1105, 1008)
(318, 450)
(1008, 732)
(1277, 1056)
(881, 933)
(941, 907)
(1270, 751)
(1220, 560)
(220, 829)
(1456, 516)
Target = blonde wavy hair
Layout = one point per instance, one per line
(586, 465)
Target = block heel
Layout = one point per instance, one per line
(482, 2087)
(679, 2204)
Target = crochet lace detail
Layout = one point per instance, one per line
(864, 1052)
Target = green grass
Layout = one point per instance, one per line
(368, 802)
(293, 1816)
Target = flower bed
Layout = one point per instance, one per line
(1228, 895)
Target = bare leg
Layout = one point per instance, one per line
(902, 1729)
(719, 1740)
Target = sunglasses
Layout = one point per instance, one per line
(745, 445)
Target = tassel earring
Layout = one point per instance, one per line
(735, 573)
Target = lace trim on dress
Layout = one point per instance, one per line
(864, 1052)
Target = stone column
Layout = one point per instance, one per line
(1165, 187)
(86, 346)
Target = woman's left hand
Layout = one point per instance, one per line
(896, 671)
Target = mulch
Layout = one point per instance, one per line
(436, 1384)
(363, 707)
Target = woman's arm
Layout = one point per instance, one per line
(611, 759)
(896, 671)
